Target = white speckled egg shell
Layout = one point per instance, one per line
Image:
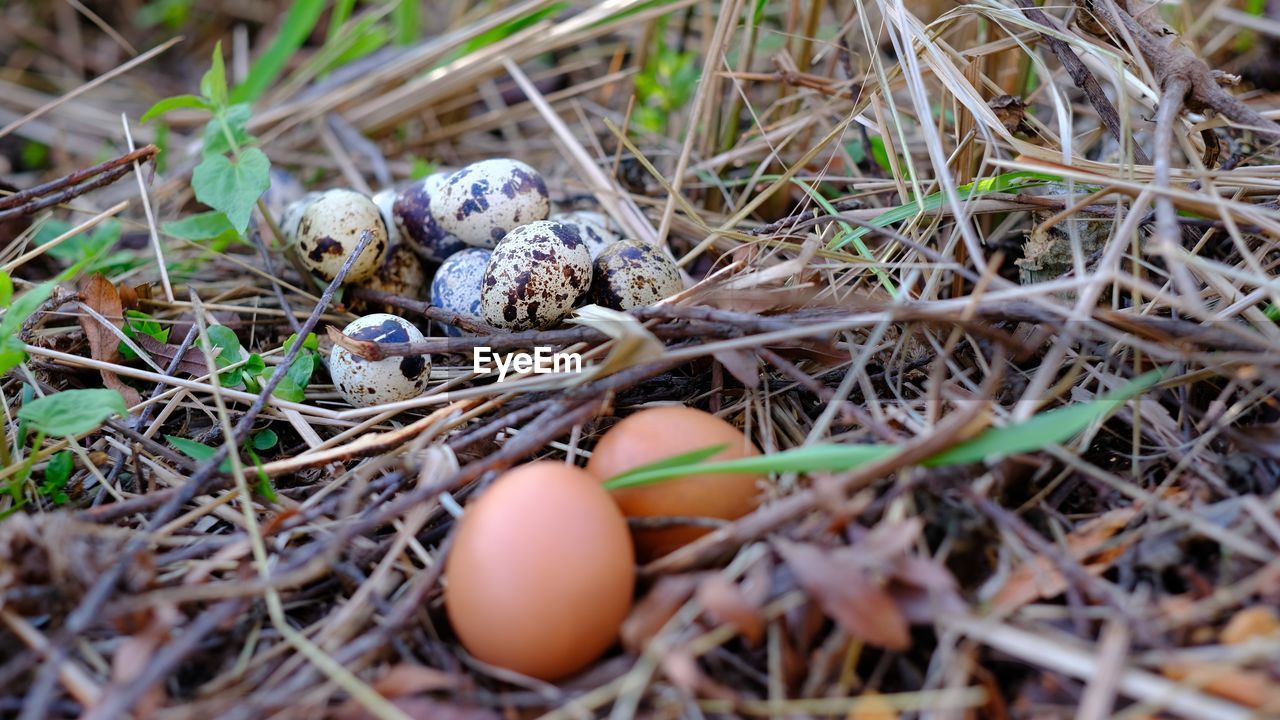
(293, 215)
(457, 285)
(594, 228)
(330, 229)
(385, 199)
(630, 274)
(484, 201)
(365, 383)
(535, 276)
(416, 218)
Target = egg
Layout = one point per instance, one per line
(417, 222)
(484, 201)
(364, 383)
(594, 227)
(659, 433)
(399, 274)
(385, 200)
(535, 276)
(540, 574)
(293, 216)
(630, 274)
(457, 285)
(330, 228)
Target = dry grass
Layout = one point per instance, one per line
(1126, 574)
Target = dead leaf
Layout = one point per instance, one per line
(102, 297)
(1012, 113)
(405, 679)
(725, 602)
(128, 296)
(1041, 579)
(192, 361)
(840, 583)
(887, 541)
(1253, 688)
(681, 668)
(633, 344)
(1251, 622)
(654, 610)
(741, 365)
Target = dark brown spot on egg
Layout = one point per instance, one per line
(325, 246)
(411, 366)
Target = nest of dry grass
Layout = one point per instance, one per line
(901, 224)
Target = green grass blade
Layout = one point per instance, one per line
(505, 30)
(932, 203)
(298, 24)
(1051, 427)
(863, 251)
(408, 24)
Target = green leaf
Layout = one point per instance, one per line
(232, 186)
(254, 365)
(298, 24)
(197, 451)
(201, 226)
(178, 102)
(293, 385)
(72, 412)
(214, 83)
(222, 337)
(311, 343)
(12, 353)
(22, 308)
(265, 439)
(139, 323)
(6, 289)
(56, 475)
(233, 120)
(92, 250)
(265, 488)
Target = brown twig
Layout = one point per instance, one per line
(1083, 79)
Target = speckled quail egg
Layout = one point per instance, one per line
(293, 216)
(399, 274)
(457, 284)
(535, 276)
(330, 229)
(385, 199)
(364, 383)
(484, 201)
(630, 274)
(593, 226)
(417, 222)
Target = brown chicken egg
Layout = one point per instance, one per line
(540, 575)
(660, 433)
